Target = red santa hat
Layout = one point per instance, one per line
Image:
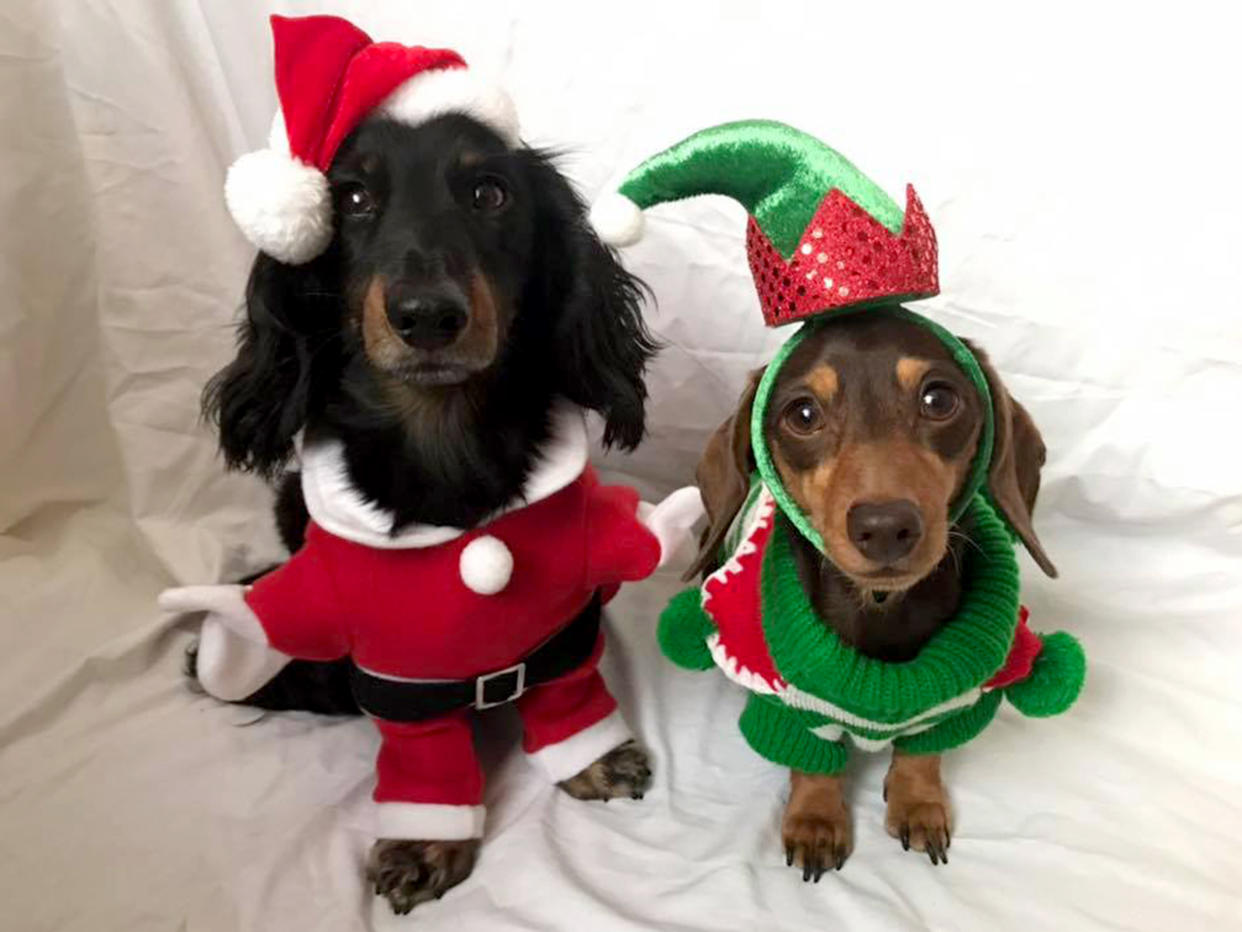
(329, 77)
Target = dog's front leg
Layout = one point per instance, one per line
(429, 814)
(576, 735)
(622, 773)
(816, 827)
(407, 873)
(918, 805)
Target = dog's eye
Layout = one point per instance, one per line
(489, 194)
(356, 200)
(803, 416)
(939, 401)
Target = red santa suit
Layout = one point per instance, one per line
(448, 604)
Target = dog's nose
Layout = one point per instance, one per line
(427, 322)
(884, 531)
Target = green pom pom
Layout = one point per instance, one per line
(1055, 680)
(684, 627)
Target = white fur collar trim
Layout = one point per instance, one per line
(340, 509)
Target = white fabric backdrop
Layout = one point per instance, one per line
(1079, 162)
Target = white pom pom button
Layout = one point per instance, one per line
(486, 565)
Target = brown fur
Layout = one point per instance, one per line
(823, 379)
(918, 805)
(476, 346)
(816, 827)
(383, 347)
(411, 872)
(624, 772)
(910, 371)
(874, 443)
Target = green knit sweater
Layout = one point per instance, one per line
(810, 691)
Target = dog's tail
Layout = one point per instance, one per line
(301, 686)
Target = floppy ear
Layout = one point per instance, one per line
(723, 476)
(1018, 454)
(259, 400)
(601, 342)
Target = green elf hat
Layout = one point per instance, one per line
(822, 236)
(823, 240)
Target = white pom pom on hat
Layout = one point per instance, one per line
(486, 565)
(617, 220)
(282, 204)
(330, 76)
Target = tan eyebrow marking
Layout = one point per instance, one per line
(910, 371)
(823, 380)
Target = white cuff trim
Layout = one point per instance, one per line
(429, 821)
(226, 603)
(231, 667)
(673, 520)
(562, 760)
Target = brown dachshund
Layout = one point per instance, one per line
(873, 427)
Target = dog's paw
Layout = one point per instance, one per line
(920, 821)
(817, 841)
(407, 873)
(918, 805)
(624, 772)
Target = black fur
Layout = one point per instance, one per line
(577, 331)
(568, 318)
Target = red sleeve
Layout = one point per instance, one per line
(299, 609)
(619, 548)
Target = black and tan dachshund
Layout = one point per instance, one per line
(873, 427)
(463, 294)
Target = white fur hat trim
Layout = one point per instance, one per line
(284, 206)
(431, 94)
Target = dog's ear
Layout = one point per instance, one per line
(723, 476)
(600, 340)
(1018, 454)
(259, 400)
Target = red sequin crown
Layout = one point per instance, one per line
(845, 258)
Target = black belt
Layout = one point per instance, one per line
(405, 701)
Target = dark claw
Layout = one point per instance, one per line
(905, 837)
(935, 849)
(841, 856)
(806, 868)
(636, 796)
(789, 855)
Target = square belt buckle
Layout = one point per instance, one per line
(517, 671)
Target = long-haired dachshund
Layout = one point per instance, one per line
(463, 295)
(873, 427)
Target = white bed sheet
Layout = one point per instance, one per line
(1079, 165)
